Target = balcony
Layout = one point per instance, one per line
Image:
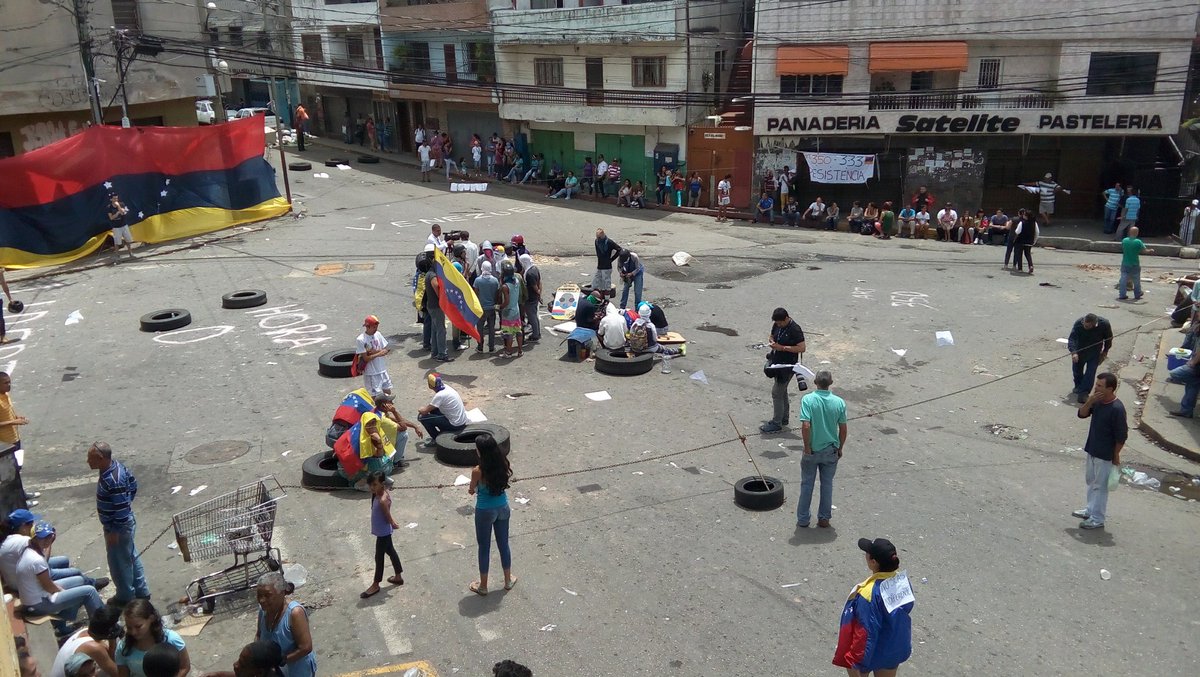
(995, 101)
(661, 21)
(912, 101)
(953, 101)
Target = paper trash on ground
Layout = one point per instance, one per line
(682, 258)
(1062, 340)
(598, 396)
(411, 525)
(522, 500)
(461, 480)
(944, 338)
(900, 351)
(564, 328)
(476, 416)
(699, 376)
(74, 317)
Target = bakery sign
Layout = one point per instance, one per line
(1000, 124)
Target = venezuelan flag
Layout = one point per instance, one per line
(176, 181)
(354, 406)
(457, 298)
(355, 444)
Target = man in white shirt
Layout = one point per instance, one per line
(815, 211)
(724, 188)
(369, 352)
(612, 331)
(785, 186)
(922, 221)
(435, 237)
(444, 413)
(472, 251)
(947, 220)
(601, 171)
(424, 153)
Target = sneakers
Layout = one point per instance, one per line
(1081, 514)
(1089, 523)
(770, 427)
(429, 442)
(1180, 414)
(683, 350)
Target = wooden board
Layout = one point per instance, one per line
(566, 299)
(671, 338)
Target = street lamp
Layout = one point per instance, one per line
(215, 67)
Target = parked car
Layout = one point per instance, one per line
(269, 119)
(205, 114)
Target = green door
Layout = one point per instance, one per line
(558, 146)
(635, 166)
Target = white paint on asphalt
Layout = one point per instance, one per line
(67, 483)
(395, 634)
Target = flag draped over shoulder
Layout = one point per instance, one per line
(354, 406)
(457, 299)
(176, 182)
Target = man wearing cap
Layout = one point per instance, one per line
(1107, 432)
(43, 596)
(876, 630)
(115, 490)
(20, 524)
(444, 413)
(787, 345)
(369, 351)
(823, 424)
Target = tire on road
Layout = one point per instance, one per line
(299, 166)
(244, 298)
(620, 363)
(335, 363)
(320, 472)
(458, 449)
(752, 494)
(335, 161)
(368, 159)
(165, 320)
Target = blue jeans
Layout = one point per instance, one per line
(1190, 379)
(768, 215)
(486, 521)
(1128, 272)
(125, 566)
(1084, 372)
(76, 593)
(436, 423)
(1096, 473)
(823, 461)
(1110, 220)
(60, 568)
(437, 332)
(426, 332)
(636, 283)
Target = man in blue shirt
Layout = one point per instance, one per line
(908, 219)
(765, 210)
(1107, 433)
(1129, 213)
(823, 424)
(115, 492)
(486, 287)
(1112, 204)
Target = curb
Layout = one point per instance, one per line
(1146, 427)
(1186, 452)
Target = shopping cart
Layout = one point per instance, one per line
(241, 523)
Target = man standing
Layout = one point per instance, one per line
(1106, 437)
(612, 175)
(632, 272)
(115, 491)
(486, 288)
(347, 130)
(785, 186)
(533, 296)
(1047, 192)
(9, 435)
(1131, 265)
(787, 345)
(724, 190)
(1090, 339)
(947, 220)
(424, 153)
(607, 251)
(118, 220)
(1187, 225)
(823, 424)
(301, 125)
(1129, 212)
(370, 349)
(435, 237)
(768, 184)
(922, 199)
(1112, 205)
(601, 173)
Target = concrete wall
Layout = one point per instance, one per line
(30, 131)
(330, 22)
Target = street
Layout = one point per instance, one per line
(967, 456)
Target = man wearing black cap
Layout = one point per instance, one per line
(876, 631)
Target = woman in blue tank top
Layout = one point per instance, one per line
(489, 480)
(285, 623)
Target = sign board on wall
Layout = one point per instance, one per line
(839, 167)
(1049, 122)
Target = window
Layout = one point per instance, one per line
(797, 86)
(1122, 73)
(548, 72)
(235, 36)
(989, 74)
(262, 42)
(481, 60)
(413, 57)
(355, 49)
(649, 71)
(214, 35)
(922, 81)
(125, 14)
(545, 4)
(314, 52)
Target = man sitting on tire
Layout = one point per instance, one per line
(348, 413)
(374, 444)
(643, 336)
(444, 413)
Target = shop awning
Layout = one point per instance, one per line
(917, 56)
(812, 60)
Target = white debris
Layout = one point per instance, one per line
(197, 490)
(682, 258)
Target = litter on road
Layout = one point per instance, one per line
(461, 480)
(900, 351)
(699, 376)
(944, 338)
(599, 396)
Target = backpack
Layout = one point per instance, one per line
(639, 336)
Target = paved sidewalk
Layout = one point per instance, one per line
(1180, 435)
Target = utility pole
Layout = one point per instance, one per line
(119, 44)
(85, 55)
(287, 186)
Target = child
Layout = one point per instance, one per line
(144, 631)
(382, 525)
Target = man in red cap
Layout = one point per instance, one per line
(369, 353)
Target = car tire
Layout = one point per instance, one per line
(244, 298)
(751, 494)
(166, 320)
(368, 160)
(458, 449)
(333, 162)
(299, 166)
(335, 363)
(320, 472)
(620, 363)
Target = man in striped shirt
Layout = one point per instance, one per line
(115, 492)
(1047, 190)
(612, 176)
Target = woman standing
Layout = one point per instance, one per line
(662, 185)
(489, 480)
(382, 525)
(1026, 234)
(512, 299)
(372, 135)
(285, 623)
(877, 616)
(144, 631)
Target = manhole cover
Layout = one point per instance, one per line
(220, 451)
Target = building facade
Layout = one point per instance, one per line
(583, 78)
(44, 87)
(972, 98)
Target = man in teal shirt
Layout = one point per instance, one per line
(823, 421)
(1131, 265)
(1129, 213)
(1112, 204)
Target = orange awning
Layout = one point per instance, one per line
(817, 60)
(918, 56)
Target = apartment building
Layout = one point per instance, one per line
(972, 98)
(44, 88)
(615, 77)
(254, 38)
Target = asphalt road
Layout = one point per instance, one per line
(647, 568)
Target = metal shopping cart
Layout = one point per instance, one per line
(241, 523)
